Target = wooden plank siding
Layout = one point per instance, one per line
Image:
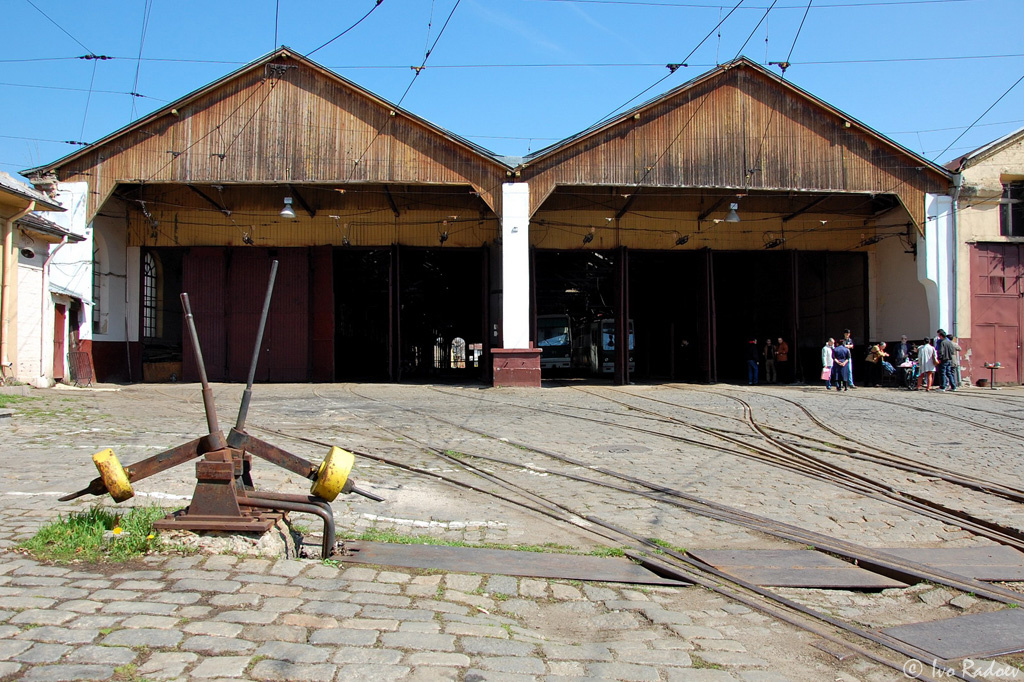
(282, 120)
(742, 128)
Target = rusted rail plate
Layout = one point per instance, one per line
(502, 562)
(998, 562)
(984, 634)
(793, 568)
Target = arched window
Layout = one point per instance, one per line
(150, 297)
(97, 287)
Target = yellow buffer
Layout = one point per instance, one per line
(333, 473)
(114, 477)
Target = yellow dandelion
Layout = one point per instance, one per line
(117, 530)
(150, 536)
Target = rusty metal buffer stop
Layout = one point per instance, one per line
(225, 498)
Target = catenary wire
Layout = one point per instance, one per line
(376, 4)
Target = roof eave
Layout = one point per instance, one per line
(265, 59)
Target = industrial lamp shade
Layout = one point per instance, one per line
(732, 216)
(287, 211)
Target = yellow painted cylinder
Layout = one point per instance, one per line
(114, 477)
(332, 474)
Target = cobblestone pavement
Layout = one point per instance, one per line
(228, 617)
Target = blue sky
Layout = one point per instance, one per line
(516, 75)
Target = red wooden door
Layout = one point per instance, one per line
(996, 308)
(203, 273)
(60, 315)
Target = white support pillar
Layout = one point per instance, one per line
(515, 265)
(935, 260)
(516, 363)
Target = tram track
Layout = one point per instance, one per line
(698, 572)
(868, 452)
(498, 471)
(791, 459)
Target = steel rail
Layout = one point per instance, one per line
(888, 459)
(881, 640)
(1002, 534)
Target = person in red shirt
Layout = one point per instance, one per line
(782, 361)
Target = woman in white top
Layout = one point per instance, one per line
(926, 363)
(826, 361)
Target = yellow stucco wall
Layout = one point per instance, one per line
(978, 213)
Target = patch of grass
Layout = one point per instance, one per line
(390, 536)
(667, 545)
(80, 536)
(10, 399)
(454, 453)
(698, 662)
(607, 552)
(128, 673)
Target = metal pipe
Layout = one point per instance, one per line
(208, 404)
(243, 408)
(303, 507)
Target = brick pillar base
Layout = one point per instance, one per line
(516, 367)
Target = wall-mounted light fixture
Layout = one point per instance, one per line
(287, 211)
(682, 239)
(589, 236)
(732, 216)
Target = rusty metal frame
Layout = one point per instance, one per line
(224, 498)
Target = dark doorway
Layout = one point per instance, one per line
(753, 299)
(665, 299)
(442, 316)
(362, 281)
(575, 289)
(832, 297)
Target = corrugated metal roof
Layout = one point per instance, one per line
(10, 185)
(966, 160)
(37, 223)
(57, 289)
(285, 52)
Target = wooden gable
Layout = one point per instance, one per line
(283, 120)
(739, 127)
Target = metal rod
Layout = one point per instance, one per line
(304, 507)
(208, 404)
(243, 409)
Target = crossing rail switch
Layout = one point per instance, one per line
(225, 498)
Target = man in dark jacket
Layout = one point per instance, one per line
(752, 357)
(946, 357)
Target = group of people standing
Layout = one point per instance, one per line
(918, 363)
(774, 357)
(837, 363)
(941, 355)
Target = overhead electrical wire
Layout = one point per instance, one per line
(419, 69)
(537, 65)
(98, 92)
(62, 29)
(146, 13)
(672, 68)
(766, 13)
(998, 100)
(694, 5)
(376, 4)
